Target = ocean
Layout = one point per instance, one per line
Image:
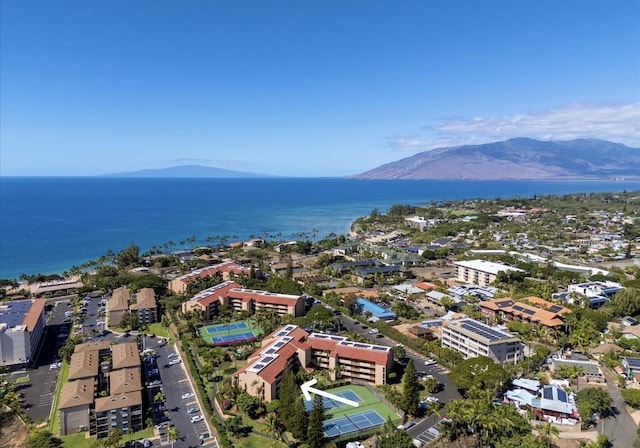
(48, 225)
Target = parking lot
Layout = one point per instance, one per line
(180, 407)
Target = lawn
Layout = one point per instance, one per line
(54, 416)
(257, 441)
(81, 441)
(158, 330)
(23, 379)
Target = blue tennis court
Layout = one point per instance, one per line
(328, 403)
(352, 423)
(221, 328)
(247, 335)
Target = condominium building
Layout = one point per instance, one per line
(103, 391)
(22, 325)
(227, 270)
(532, 310)
(291, 347)
(480, 272)
(231, 294)
(118, 305)
(472, 339)
(142, 304)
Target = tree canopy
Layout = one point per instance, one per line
(479, 374)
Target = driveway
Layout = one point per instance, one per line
(621, 428)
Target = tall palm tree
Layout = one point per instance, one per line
(547, 431)
(173, 434)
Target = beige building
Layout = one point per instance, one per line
(473, 339)
(144, 306)
(291, 345)
(118, 305)
(75, 405)
(103, 391)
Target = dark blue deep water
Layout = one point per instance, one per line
(48, 225)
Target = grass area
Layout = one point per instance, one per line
(158, 330)
(23, 379)
(81, 441)
(54, 416)
(257, 441)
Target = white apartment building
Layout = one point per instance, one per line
(473, 339)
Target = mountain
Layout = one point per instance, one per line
(517, 158)
(187, 171)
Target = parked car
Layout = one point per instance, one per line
(173, 355)
(430, 362)
(155, 383)
(162, 425)
(432, 399)
(197, 418)
(407, 425)
(192, 410)
(188, 395)
(173, 362)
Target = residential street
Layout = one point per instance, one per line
(621, 429)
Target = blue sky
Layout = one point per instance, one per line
(305, 88)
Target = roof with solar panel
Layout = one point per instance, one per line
(481, 330)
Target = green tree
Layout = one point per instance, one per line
(315, 433)
(43, 439)
(128, 257)
(479, 374)
(547, 432)
(591, 401)
(248, 404)
(298, 419)
(173, 434)
(631, 397)
(410, 390)
(626, 302)
(234, 425)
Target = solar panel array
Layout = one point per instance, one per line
(562, 396)
(262, 363)
(483, 330)
(547, 393)
(13, 313)
(633, 362)
(555, 308)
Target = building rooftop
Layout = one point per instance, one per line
(125, 355)
(118, 401)
(486, 266)
(77, 393)
(84, 364)
(376, 310)
(119, 300)
(480, 330)
(145, 299)
(124, 380)
(13, 313)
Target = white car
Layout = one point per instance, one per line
(432, 399)
(407, 425)
(173, 355)
(430, 362)
(197, 418)
(188, 395)
(173, 362)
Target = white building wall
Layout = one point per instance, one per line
(15, 346)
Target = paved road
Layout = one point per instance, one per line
(621, 428)
(175, 383)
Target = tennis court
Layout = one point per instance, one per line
(223, 328)
(352, 423)
(328, 403)
(230, 333)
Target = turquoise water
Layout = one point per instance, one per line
(48, 225)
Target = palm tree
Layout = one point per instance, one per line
(547, 431)
(173, 434)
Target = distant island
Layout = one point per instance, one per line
(517, 158)
(188, 171)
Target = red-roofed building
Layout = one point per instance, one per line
(533, 310)
(228, 269)
(291, 345)
(233, 295)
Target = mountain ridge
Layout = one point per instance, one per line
(188, 171)
(516, 158)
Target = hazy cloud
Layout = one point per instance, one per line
(619, 123)
(203, 161)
